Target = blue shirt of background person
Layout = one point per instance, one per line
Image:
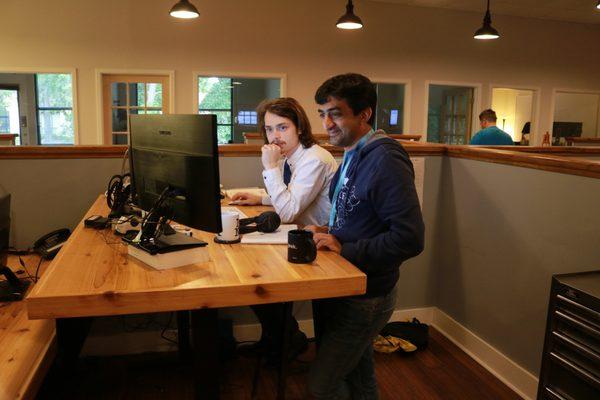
(490, 134)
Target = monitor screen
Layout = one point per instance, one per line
(394, 117)
(178, 152)
(4, 227)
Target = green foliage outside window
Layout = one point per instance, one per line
(55, 108)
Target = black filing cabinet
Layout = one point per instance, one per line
(571, 359)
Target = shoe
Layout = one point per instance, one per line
(253, 349)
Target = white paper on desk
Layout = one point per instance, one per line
(280, 236)
(234, 209)
(252, 190)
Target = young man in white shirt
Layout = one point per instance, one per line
(297, 171)
(297, 174)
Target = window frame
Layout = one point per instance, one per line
(74, 85)
(406, 123)
(197, 74)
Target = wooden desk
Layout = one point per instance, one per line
(93, 276)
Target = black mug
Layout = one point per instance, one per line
(301, 247)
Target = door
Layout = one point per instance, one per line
(456, 116)
(124, 95)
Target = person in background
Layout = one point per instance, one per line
(297, 174)
(490, 134)
(375, 223)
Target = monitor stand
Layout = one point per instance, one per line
(13, 288)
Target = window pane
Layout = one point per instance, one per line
(137, 111)
(56, 126)
(9, 111)
(223, 117)
(119, 120)
(119, 139)
(54, 90)
(137, 94)
(154, 92)
(224, 133)
(119, 93)
(390, 107)
(214, 92)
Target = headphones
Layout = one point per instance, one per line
(266, 222)
(118, 193)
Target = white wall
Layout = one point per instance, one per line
(297, 38)
(513, 109)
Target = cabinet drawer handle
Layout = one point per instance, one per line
(583, 308)
(578, 323)
(576, 369)
(554, 394)
(595, 357)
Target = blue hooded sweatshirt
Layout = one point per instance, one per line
(378, 216)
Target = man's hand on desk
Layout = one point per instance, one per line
(327, 241)
(246, 199)
(316, 229)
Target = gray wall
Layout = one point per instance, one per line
(502, 231)
(494, 236)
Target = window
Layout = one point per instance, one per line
(234, 101)
(9, 112)
(126, 95)
(450, 114)
(247, 118)
(54, 94)
(389, 115)
(575, 115)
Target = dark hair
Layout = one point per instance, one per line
(358, 91)
(289, 108)
(488, 115)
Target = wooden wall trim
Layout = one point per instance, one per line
(82, 151)
(543, 162)
(544, 158)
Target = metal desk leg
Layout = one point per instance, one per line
(285, 346)
(205, 340)
(183, 335)
(70, 337)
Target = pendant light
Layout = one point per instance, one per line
(184, 9)
(487, 32)
(349, 20)
(598, 5)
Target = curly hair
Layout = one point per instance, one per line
(289, 108)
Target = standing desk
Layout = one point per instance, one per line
(93, 276)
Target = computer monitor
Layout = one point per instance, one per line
(12, 288)
(567, 129)
(175, 171)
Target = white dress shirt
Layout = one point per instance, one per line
(305, 200)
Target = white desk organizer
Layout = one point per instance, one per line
(170, 260)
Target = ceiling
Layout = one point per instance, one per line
(582, 11)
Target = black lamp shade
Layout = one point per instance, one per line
(486, 32)
(349, 20)
(184, 9)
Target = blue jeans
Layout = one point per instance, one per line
(344, 330)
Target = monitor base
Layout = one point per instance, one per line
(170, 251)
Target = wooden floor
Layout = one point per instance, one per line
(442, 371)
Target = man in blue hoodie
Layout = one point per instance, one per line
(375, 223)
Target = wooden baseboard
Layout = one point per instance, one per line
(510, 373)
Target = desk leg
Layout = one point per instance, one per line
(70, 337)
(285, 346)
(205, 340)
(183, 335)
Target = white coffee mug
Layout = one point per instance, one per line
(231, 227)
